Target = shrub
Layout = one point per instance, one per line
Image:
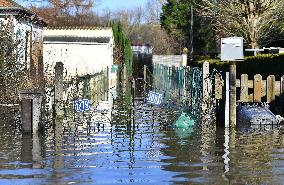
(265, 64)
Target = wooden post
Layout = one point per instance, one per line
(206, 85)
(58, 88)
(244, 88)
(270, 88)
(218, 96)
(257, 88)
(233, 97)
(218, 87)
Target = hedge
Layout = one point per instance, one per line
(265, 64)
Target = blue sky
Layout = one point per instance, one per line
(119, 4)
(102, 4)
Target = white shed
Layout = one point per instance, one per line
(82, 50)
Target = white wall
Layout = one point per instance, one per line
(168, 60)
(83, 58)
(78, 58)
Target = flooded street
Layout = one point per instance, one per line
(138, 147)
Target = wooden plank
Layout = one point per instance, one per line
(218, 86)
(238, 83)
(277, 88)
(264, 85)
(270, 88)
(233, 97)
(257, 89)
(250, 83)
(244, 88)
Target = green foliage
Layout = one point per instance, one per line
(266, 64)
(176, 20)
(123, 51)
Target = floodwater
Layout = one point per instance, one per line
(138, 147)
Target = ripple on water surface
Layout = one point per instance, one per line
(139, 148)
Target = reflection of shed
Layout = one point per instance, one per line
(82, 50)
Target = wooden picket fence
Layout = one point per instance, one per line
(256, 90)
(261, 90)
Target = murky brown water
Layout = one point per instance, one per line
(139, 149)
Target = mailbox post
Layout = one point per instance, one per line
(232, 50)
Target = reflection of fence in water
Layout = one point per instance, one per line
(182, 85)
(93, 87)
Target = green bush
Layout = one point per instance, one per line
(265, 64)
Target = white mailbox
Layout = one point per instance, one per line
(232, 49)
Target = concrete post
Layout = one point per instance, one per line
(58, 89)
(233, 98)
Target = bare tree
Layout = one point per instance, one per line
(153, 10)
(255, 20)
(68, 12)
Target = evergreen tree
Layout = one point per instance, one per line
(122, 51)
(176, 19)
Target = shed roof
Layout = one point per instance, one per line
(76, 39)
(8, 7)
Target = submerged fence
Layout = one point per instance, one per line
(189, 89)
(60, 97)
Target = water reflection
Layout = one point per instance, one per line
(134, 144)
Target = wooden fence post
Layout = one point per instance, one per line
(218, 86)
(206, 85)
(257, 88)
(244, 88)
(270, 88)
(218, 96)
(233, 98)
